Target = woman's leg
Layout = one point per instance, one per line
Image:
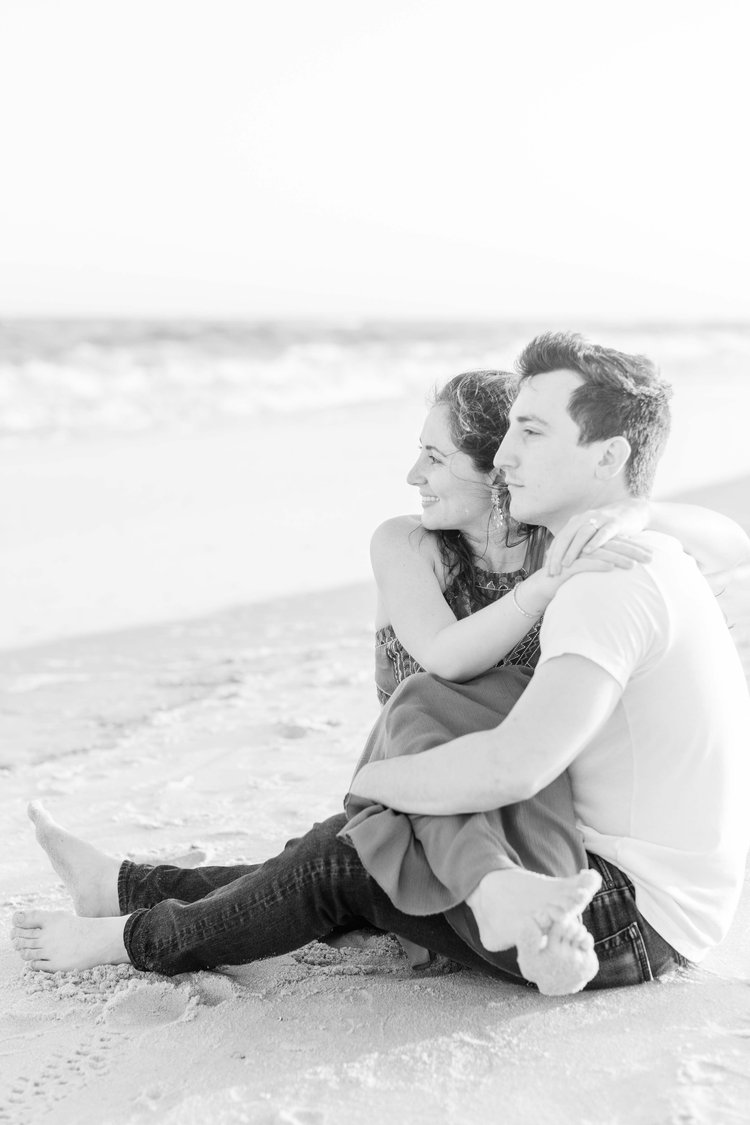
(429, 863)
(463, 865)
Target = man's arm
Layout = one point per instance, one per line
(568, 699)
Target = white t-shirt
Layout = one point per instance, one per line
(663, 789)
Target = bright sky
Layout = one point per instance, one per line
(412, 158)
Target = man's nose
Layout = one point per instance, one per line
(503, 456)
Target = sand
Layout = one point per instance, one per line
(217, 738)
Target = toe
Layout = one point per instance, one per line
(570, 927)
(551, 914)
(24, 932)
(543, 920)
(26, 942)
(35, 811)
(581, 900)
(559, 934)
(569, 932)
(591, 880)
(30, 919)
(532, 936)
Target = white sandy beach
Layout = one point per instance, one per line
(162, 725)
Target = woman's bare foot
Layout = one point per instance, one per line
(538, 915)
(54, 941)
(564, 963)
(89, 875)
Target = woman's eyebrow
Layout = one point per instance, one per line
(434, 449)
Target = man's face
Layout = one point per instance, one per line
(549, 475)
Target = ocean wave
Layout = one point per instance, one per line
(68, 378)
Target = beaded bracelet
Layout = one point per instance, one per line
(532, 616)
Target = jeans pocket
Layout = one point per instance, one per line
(623, 959)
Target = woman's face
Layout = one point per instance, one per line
(455, 495)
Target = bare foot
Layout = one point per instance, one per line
(54, 941)
(89, 875)
(538, 915)
(563, 962)
(505, 900)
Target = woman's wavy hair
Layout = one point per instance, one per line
(478, 403)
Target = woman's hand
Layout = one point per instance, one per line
(601, 533)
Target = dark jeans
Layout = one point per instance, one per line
(182, 920)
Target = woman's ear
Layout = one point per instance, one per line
(614, 458)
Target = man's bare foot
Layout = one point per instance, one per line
(566, 961)
(89, 875)
(54, 941)
(538, 915)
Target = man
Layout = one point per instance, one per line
(638, 693)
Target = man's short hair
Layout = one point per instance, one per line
(622, 395)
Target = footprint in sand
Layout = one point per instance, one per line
(292, 730)
(63, 1073)
(711, 1089)
(153, 1004)
(150, 1005)
(213, 989)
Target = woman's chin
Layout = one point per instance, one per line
(430, 520)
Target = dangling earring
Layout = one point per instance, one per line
(497, 515)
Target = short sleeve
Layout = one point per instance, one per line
(614, 618)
